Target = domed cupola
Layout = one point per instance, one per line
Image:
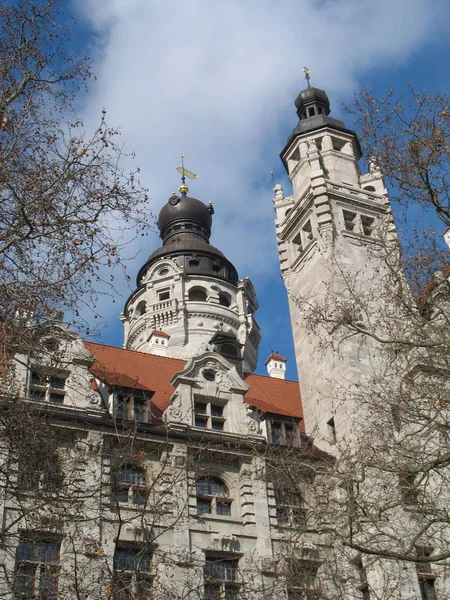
(188, 291)
(313, 110)
(311, 102)
(185, 228)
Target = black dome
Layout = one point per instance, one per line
(309, 95)
(184, 208)
(185, 227)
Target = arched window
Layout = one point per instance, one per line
(198, 294)
(213, 497)
(224, 299)
(369, 188)
(140, 308)
(130, 485)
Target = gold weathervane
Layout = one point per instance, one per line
(184, 173)
(307, 73)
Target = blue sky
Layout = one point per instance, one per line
(217, 81)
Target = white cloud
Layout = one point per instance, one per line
(217, 80)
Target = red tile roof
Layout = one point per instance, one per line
(160, 333)
(276, 356)
(278, 396)
(138, 370)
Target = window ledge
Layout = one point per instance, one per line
(220, 518)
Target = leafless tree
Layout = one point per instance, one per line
(67, 203)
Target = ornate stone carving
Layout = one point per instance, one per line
(174, 412)
(253, 421)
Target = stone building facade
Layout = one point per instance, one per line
(159, 470)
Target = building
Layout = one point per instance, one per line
(161, 469)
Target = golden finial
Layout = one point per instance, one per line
(184, 173)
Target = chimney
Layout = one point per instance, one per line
(276, 366)
(157, 342)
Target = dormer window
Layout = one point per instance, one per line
(132, 405)
(284, 433)
(47, 388)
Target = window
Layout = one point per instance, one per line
(132, 573)
(213, 497)
(297, 243)
(209, 414)
(194, 262)
(220, 576)
(364, 586)
(332, 431)
(307, 232)
(129, 486)
(349, 220)
(408, 488)
(284, 433)
(141, 309)
(302, 580)
(163, 295)
(367, 225)
(224, 300)
(39, 470)
(197, 295)
(47, 388)
(289, 508)
(132, 406)
(36, 573)
(425, 574)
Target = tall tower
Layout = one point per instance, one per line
(189, 296)
(330, 232)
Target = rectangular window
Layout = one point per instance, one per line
(408, 488)
(164, 295)
(208, 414)
(425, 574)
(289, 510)
(220, 577)
(132, 573)
(36, 572)
(44, 388)
(284, 433)
(132, 406)
(302, 580)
